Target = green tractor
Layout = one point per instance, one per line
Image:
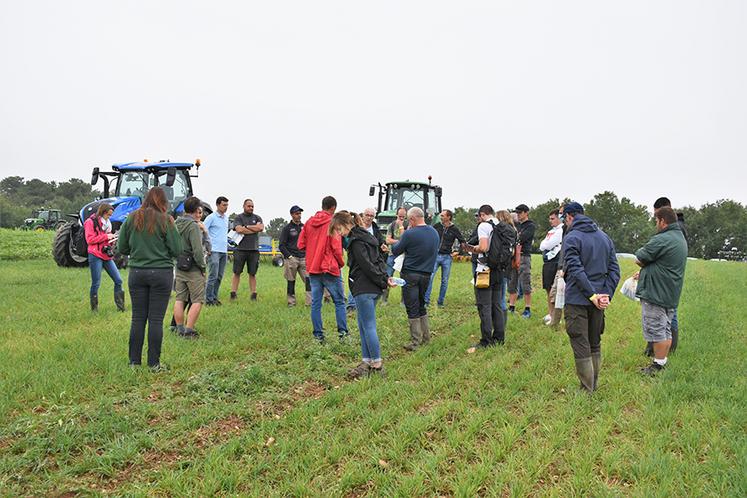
(44, 219)
(406, 194)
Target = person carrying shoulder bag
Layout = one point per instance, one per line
(100, 240)
(190, 270)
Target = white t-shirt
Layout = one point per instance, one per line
(484, 231)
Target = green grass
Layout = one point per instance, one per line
(18, 245)
(255, 407)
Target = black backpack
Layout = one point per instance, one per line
(501, 248)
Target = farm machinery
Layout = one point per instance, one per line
(125, 188)
(406, 194)
(44, 219)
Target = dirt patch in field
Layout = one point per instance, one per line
(218, 431)
(309, 389)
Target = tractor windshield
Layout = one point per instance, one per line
(405, 197)
(137, 184)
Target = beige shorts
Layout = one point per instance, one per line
(190, 286)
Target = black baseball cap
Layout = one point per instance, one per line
(521, 208)
(296, 209)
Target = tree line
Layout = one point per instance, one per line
(20, 197)
(715, 230)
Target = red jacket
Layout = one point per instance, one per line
(323, 252)
(96, 237)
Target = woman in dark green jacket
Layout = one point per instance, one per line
(150, 238)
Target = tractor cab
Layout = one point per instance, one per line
(125, 187)
(132, 181)
(43, 219)
(406, 194)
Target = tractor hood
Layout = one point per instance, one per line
(123, 206)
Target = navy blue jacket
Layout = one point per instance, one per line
(590, 262)
(420, 245)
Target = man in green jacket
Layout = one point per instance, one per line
(660, 281)
(190, 284)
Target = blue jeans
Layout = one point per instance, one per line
(216, 267)
(390, 265)
(350, 306)
(333, 284)
(97, 264)
(444, 261)
(370, 348)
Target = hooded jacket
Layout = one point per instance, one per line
(323, 252)
(96, 237)
(367, 266)
(590, 262)
(664, 258)
(191, 236)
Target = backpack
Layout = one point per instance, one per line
(501, 248)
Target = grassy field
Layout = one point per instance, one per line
(24, 245)
(255, 407)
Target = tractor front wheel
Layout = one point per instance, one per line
(63, 249)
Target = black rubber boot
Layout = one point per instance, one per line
(585, 372)
(119, 300)
(596, 361)
(425, 329)
(94, 303)
(416, 334)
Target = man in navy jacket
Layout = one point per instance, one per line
(591, 276)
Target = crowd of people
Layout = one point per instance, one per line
(580, 272)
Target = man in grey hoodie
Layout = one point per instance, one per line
(190, 283)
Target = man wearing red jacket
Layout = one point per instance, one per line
(323, 263)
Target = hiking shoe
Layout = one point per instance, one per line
(526, 314)
(189, 334)
(477, 347)
(254, 296)
(410, 347)
(233, 296)
(159, 368)
(362, 370)
(209, 303)
(651, 370)
(373, 372)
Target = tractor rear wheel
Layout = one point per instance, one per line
(62, 247)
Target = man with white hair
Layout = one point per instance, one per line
(368, 216)
(419, 243)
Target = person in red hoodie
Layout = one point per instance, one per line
(322, 240)
(100, 239)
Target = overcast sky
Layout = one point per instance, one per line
(500, 101)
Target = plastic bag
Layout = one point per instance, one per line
(483, 279)
(629, 287)
(398, 262)
(560, 293)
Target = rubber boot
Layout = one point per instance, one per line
(596, 361)
(585, 372)
(675, 340)
(119, 300)
(416, 334)
(425, 329)
(95, 302)
(291, 293)
(557, 315)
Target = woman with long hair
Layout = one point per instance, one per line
(505, 217)
(150, 237)
(367, 280)
(99, 237)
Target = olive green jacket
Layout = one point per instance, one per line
(663, 273)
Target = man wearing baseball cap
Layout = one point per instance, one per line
(294, 258)
(523, 275)
(591, 276)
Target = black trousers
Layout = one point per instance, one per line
(150, 289)
(492, 324)
(413, 293)
(584, 326)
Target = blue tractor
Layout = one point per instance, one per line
(131, 182)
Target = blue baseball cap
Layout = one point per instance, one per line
(573, 208)
(296, 209)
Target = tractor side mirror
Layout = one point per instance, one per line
(170, 176)
(439, 191)
(95, 176)
(371, 190)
